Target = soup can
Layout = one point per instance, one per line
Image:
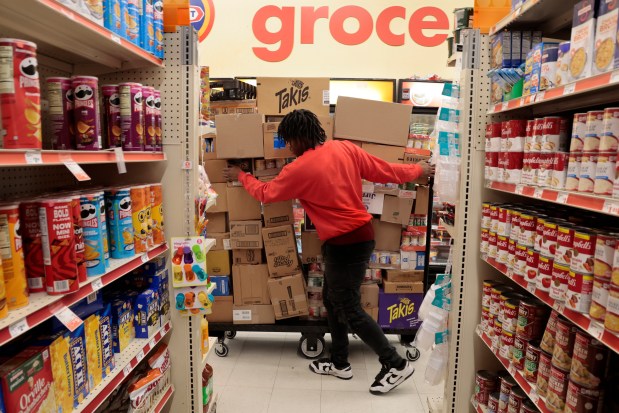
(527, 230)
(507, 343)
(540, 222)
(583, 258)
(564, 344)
(486, 221)
(559, 281)
(565, 244)
(510, 318)
(497, 341)
(531, 363)
(532, 266)
(511, 254)
(60, 98)
(492, 245)
(605, 173)
(599, 299)
(520, 260)
(574, 163)
(528, 407)
(515, 224)
(505, 221)
(595, 128)
(554, 138)
(507, 383)
(544, 273)
(543, 373)
(590, 361)
(86, 113)
(611, 322)
(544, 173)
(548, 339)
(580, 399)
(516, 398)
(486, 382)
(519, 352)
(488, 285)
(588, 169)
(502, 245)
(497, 291)
(557, 390)
(579, 292)
(559, 170)
(609, 140)
(605, 246)
(532, 316)
(549, 238)
(493, 402)
(579, 130)
(12, 254)
(494, 218)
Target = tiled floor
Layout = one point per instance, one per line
(264, 374)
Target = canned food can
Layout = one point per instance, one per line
(511, 253)
(515, 226)
(503, 310)
(13, 266)
(86, 113)
(580, 399)
(507, 383)
(516, 398)
(497, 291)
(60, 98)
(492, 245)
(588, 168)
(93, 239)
(605, 246)
(610, 130)
(559, 170)
(559, 281)
(526, 178)
(605, 173)
(78, 232)
(502, 247)
(564, 344)
(494, 218)
(540, 222)
(554, 137)
(139, 207)
(579, 292)
(557, 390)
(595, 128)
(493, 402)
(583, 259)
(544, 273)
(519, 352)
(611, 322)
(132, 116)
(573, 171)
(156, 191)
(485, 216)
(528, 139)
(579, 130)
(488, 285)
(515, 134)
(505, 221)
(150, 135)
(486, 382)
(547, 343)
(111, 110)
(534, 161)
(497, 341)
(485, 316)
(532, 316)
(33, 249)
(20, 95)
(513, 166)
(121, 223)
(532, 266)
(543, 373)
(538, 133)
(520, 260)
(549, 238)
(565, 243)
(531, 364)
(599, 299)
(528, 407)
(590, 361)
(507, 343)
(527, 230)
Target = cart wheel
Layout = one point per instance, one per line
(222, 349)
(406, 339)
(230, 334)
(413, 354)
(311, 351)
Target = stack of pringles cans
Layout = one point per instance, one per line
(131, 116)
(553, 152)
(55, 243)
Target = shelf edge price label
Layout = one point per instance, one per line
(523, 101)
(596, 330)
(152, 343)
(115, 38)
(611, 207)
(519, 189)
(505, 106)
(569, 89)
(187, 165)
(97, 284)
(77, 171)
(127, 370)
(120, 160)
(18, 328)
(33, 158)
(531, 288)
(559, 306)
(538, 192)
(562, 198)
(140, 356)
(534, 396)
(539, 96)
(614, 76)
(68, 318)
(145, 258)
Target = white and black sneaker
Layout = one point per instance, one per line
(391, 377)
(325, 367)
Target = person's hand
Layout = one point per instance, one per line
(231, 173)
(428, 170)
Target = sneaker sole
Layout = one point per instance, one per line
(327, 374)
(379, 393)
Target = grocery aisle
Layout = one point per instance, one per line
(266, 370)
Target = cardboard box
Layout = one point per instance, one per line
(327, 124)
(274, 147)
(582, 41)
(387, 235)
(278, 214)
(398, 310)
(412, 260)
(372, 121)
(253, 314)
(217, 222)
(369, 295)
(239, 136)
(252, 257)
(222, 310)
(281, 95)
(396, 287)
(242, 206)
(281, 250)
(222, 241)
(416, 157)
(245, 235)
(250, 284)
(391, 154)
(209, 146)
(422, 200)
(218, 263)
(288, 295)
(403, 275)
(230, 107)
(372, 312)
(222, 284)
(221, 204)
(215, 170)
(397, 210)
(605, 35)
(311, 247)
(374, 202)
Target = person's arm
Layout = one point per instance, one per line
(376, 170)
(287, 185)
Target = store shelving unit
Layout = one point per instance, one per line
(212, 342)
(451, 230)
(18, 157)
(43, 306)
(75, 43)
(163, 400)
(126, 361)
(550, 16)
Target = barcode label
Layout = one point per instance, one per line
(569, 89)
(326, 98)
(241, 315)
(35, 283)
(97, 284)
(61, 286)
(18, 328)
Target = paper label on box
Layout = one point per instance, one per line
(326, 98)
(241, 315)
(374, 202)
(227, 245)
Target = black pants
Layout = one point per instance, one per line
(345, 267)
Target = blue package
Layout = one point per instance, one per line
(222, 285)
(132, 21)
(158, 26)
(113, 11)
(120, 223)
(122, 324)
(77, 342)
(146, 314)
(92, 230)
(104, 233)
(83, 309)
(147, 29)
(107, 342)
(2, 409)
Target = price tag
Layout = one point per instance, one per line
(531, 288)
(120, 160)
(504, 106)
(596, 330)
(559, 306)
(115, 38)
(18, 328)
(67, 317)
(538, 193)
(187, 165)
(510, 273)
(140, 356)
(523, 101)
(152, 343)
(614, 77)
(519, 189)
(534, 396)
(97, 284)
(512, 369)
(611, 207)
(539, 96)
(145, 258)
(127, 370)
(77, 171)
(518, 11)
(569, 89)
(33, 158)
(562, 198)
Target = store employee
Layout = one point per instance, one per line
(326, 178)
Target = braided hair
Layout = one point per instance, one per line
(303, 129)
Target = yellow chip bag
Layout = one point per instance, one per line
(94, 351)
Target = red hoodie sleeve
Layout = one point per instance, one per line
(284, 187)
(376, 170)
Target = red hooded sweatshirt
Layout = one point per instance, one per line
(327, 182)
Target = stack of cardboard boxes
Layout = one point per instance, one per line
(264, 281)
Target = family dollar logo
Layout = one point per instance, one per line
(202, 16)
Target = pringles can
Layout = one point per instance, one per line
(139, 203)
(60, 98)
(33, 250)
(93, 241)
(132, 116)
(150, 135)
(13, 265)
(86, 113)
(111, 108)
(120, 223)
(157, 214)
